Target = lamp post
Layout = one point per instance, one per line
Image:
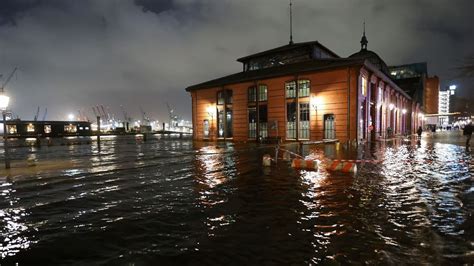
(210, 112)
(315, 102)
(4, 100)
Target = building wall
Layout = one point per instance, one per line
(431, 95)
(339, 93)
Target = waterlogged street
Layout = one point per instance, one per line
(171, 201)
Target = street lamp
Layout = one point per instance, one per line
(210, 111)
(391, 106)
(4, 100)
(315, 103)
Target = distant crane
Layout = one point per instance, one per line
(8, 79)
(45, 113)
(173, 118)
(37, 114)
(145, 117)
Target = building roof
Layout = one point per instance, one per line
(373, 57)
(265, 73)
(289, 47)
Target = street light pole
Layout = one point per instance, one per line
(4, 100)
(5, 141)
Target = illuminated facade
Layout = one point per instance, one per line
(304, 91)
(19, 128)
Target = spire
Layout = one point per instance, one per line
(291, 23)
(363, 41)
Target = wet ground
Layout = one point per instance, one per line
(175, 202)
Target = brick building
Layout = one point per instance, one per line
(304, 91)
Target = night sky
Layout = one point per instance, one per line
(74, 55)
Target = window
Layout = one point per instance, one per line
(47, 129)
(252, 123)
(206, 128)
(252, 94)
(11, 129)
(262, 92)
(224, 113)
(87, 128)
(263, 121)
(81, 128)
(329, 129)
(290, 89)
(70, 128)
(220, 97)
(364, 86)
(380, 95)
(304, 121)
(30, 128)
(304, 88)
(291, 120)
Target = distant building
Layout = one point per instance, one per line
(431, 95)
(445, 104)
(25, 129)
(304, 91)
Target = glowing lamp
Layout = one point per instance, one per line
(4, 101)
(404, 111)
(391, 106)
(315, 102)
(70, 116)
(210, 110)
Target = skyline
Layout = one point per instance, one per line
(74, 55)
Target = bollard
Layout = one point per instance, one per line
(286, 156)
(304, 164)
(344, 167)
(31, 162)
(267, 160)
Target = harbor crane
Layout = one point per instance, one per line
(45, 113)
(8, 79)
(173, 118)
(37, 114)
(145, 117)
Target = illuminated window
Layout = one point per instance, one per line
(206, 128)
(87, 128)
(11, 129)
(70, 128)
(47, 129)
(81, 128)
(304, 88)
(30, 128)
(252, 94)
(262, 92)
(364, 86)
(290, 89)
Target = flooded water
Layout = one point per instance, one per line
(172, 201)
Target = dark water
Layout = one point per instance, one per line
(177, 202)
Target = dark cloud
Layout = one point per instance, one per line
(76, 54)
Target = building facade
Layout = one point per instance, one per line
(25, 129)
(304, 91)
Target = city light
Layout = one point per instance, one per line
(4, 100)
(391, 106)
(315, 102)
(70, 117)
(211, 110)
(404, 111)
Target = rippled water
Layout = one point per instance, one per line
(170, 201)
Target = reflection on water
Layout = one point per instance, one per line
(178, 202)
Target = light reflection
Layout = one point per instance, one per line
(215, 166)
(12, 226)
